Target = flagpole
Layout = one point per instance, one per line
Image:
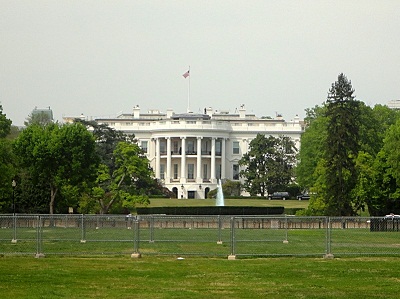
(188, 107)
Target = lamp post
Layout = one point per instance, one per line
(14, 239)
(200, 191)
(182, 187)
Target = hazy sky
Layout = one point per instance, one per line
(101, 58)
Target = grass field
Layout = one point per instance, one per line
(195, 277)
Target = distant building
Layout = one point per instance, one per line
(42, 113)
(189, 152)
(394, 104)
(40, 116)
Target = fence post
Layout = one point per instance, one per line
(39, 253)
(219, 230)
(232, 256)
(136, 235)
(328, 253)
(286, 241)
(83, 230)
(14, 239)
(151, 229)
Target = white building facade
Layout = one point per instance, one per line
(190, 152)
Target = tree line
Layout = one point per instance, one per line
(349, 156)
(348, 161)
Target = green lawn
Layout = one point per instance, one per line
(195, 277)
(200, 241)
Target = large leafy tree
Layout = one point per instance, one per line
(370, 162)
(268, 165)
(124, 176)
(6, 163)
(107, 140)
(311, 147)
(5, 124)
(129, 183)
(341, 147)
(62, 156)
(6, 174)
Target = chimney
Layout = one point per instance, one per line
(136, 112)
(170, 112)
(242, 111)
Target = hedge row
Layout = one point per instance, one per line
(211, 210)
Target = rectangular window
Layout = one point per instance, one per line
(235, 171)
(218, 171)
(144, 146)
(218, 147)
(205, 174)
(235, 147)
(162, 171)
(163, 147)
(190, 147)
(190, 171)
(175, 147)
(205, 148)
(175, 171)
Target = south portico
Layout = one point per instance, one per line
(189, 165)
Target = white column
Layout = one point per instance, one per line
(247, 145)
(183, 160)
(168, 174)
(198, 176)
(212, 178)
(158, 158)
(223, 155)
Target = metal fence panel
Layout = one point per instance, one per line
(86, 234)
(18, 234)
(272, 236)
(183, 235)
(199, 235)
(356, 236)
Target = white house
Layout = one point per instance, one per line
(189, 152)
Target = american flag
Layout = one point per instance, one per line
(185, 75)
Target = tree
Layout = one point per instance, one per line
(39, 117)
(106, 140)
(6, 163)
(129, 183)
(369, 189)
(5, 124)
(384, 198)
(311, 147)
(268, 164)
(341, 147)
(229, 188)
(63, 156)
(114, 192)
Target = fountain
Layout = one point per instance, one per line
(220, 195)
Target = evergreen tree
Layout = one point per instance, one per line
(341, 147)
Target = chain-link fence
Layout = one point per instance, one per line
(199, 235)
